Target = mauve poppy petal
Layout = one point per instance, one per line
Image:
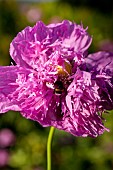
(100, 61)
(35, 45)
(101, 66)
(8, 87)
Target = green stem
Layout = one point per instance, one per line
(49, 143)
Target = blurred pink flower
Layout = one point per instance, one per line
(4, 156)
(49, 84)
(7, 138)
(33, 14)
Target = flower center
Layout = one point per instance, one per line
(59, 85)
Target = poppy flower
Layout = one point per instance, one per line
(49, 84)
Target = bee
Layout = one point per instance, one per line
(58, 87)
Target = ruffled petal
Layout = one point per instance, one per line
(35, 45)
(8, 87)
(86, 104)
(45, 108)
(26, 46)
(100, 62)
(101, 66)
(79, 39)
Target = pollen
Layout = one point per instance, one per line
(64, 71)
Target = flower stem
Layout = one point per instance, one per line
(49, 143)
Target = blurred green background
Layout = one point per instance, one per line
(27, 149)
